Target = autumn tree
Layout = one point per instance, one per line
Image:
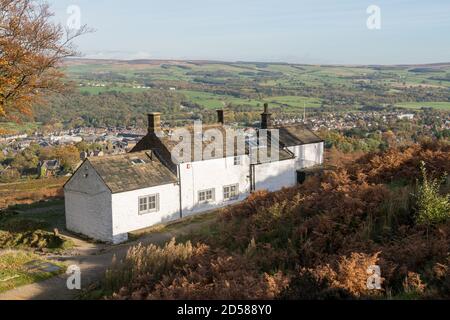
(68, 156)
(25, 160)
(32, 48)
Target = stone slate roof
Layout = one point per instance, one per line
(132, 171)
(296, 135)
(203, 144)
(163, 145)
(50, 164)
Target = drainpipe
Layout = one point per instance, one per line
(179, 190)
(252, 178)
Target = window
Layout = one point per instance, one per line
(137, 161)
(231, 192)
(206, 195)
(143, 204)
(237, 161)
(149, 204)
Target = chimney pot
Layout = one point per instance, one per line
(266, 120)
(221, 116)
(154, 122)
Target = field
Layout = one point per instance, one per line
(215, 84)
(215, 101)
(97, 90)
(418, 105)
(12, 127)
(265, 73)
(30, 190)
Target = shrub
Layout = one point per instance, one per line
(413, 285)
(9, 175)
(313, 241)
(29, 233)
(147, 262)
(219, 276)
(23, 224)
(432, 208)
(346, 278)
(37, 239)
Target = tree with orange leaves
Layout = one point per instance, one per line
(31, 51)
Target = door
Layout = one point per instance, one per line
(301, 177)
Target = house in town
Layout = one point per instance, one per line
(108, 197)
(47, 168)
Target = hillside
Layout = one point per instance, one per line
(315, 241)
(247, 83)
(108, 92)
(120, 93)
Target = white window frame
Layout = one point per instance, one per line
(147, 199)
(204, 199)
(231, 197)
(237, 161)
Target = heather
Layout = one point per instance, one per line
(315, 241)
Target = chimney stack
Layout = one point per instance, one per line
(221, 116)
(266, 120)
(154, 122)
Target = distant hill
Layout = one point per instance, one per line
(71, 61)
(110, 92)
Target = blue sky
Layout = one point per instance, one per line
(303, 31)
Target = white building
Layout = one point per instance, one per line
(108, 197)
(407, 116)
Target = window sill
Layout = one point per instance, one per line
(147, 212)
(207, 202)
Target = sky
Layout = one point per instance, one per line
(296, 31)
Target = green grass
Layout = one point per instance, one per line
(173, 226)
(215, 101)
(97, 90)
(25, 127)
(13, 272)
(40, 204)
(32, 184)
(311, 74)
(32, 227)
(295, 102)
(418, 105)
(53, 216)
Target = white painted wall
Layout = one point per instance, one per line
(212, 174)
(92, 210)
(308, 155)
(125, 209)
(88, 204)
(274, 176)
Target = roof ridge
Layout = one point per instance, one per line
(109, 156)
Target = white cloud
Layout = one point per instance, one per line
(119, 55)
